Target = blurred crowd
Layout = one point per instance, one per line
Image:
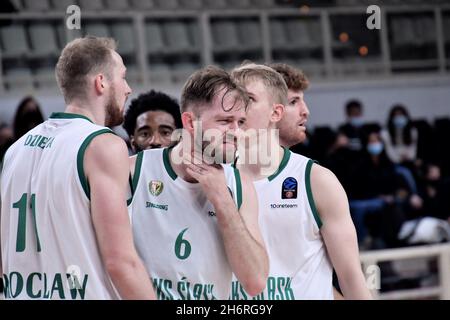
(396, 175)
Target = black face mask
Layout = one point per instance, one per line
(433, 183)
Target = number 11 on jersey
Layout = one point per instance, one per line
(22, 205)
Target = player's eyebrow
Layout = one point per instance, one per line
(146, 127)
(165, 126)
(252, 95)
(224, 116)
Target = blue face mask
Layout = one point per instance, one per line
(375, 148)
(356, 121)
(400, 121)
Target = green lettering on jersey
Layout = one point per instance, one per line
(30, 292)
(271, 288)
(35, 140)
(279, 288)
(37, 286)
(182, 246)
(46, 291)
(289, 293)
(163, 289)
(197, 291)
(184, 290)
(43, 142)
(76, 287)
(38, 141)
(28, 140)
(6, 291)
(237, 291)
(57, 286)
(18, 284)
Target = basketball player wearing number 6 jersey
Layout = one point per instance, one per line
(304, 214)
(65, 232)
(194, 223)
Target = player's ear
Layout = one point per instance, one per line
(277, 112)
(188, 118)
(99, 83)
(133, 143)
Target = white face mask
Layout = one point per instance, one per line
(356, 121)
(375, 148)
(400, 121)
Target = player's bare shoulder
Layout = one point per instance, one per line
(326, 189)
(104, 148)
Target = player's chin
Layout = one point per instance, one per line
(228, 152)
(300, 137)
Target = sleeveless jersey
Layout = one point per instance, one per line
(290, 225)
(175, 230)
(48, 244)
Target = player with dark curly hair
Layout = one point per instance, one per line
(151, 119)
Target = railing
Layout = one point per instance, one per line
(442, 252)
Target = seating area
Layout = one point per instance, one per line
(119, 5)
(172, 38)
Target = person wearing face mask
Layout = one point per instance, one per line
(435, 191)
(377, 195)
(400, 137)
(352, 129)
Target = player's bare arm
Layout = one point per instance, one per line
(338, 232)
(240, 230)
(110, 218)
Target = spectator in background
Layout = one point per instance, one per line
(353, 128)
(435, 191)
(400, 140)
(400, 137)
(6, 139)
(151, 119)
(341, 160)
(28, 115)
(377, 193)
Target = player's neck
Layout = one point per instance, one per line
(259, 162)
(180, 168)
(78, 109)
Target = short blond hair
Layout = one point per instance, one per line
(271, 79)
(79, 58)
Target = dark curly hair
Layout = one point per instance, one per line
(151, 101)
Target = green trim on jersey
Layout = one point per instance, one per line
(237, 176)
(167, 164)
(283, 164)
(65, 115)
(137, 172)
(130, 183)
(80, 159)
(310, 194)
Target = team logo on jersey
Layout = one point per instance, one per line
(156, 187)
(289, 188)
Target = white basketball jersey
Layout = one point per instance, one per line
(290, 225)
(48, 244)
(175, 230)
